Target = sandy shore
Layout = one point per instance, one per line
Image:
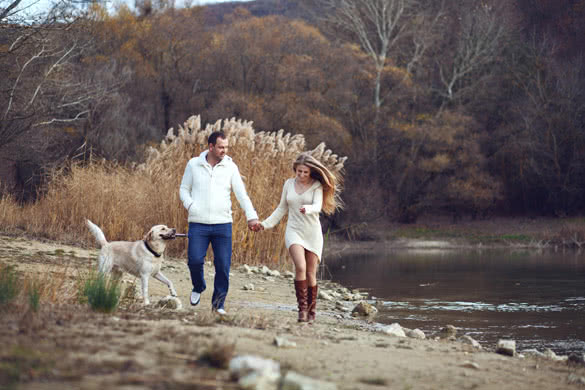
(67, 346)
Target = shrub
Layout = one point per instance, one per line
(34, 295)
(102, 292)
(10, 284)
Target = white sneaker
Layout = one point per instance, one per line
(221, 312)
(195, 298)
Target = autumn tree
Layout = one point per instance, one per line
(437, 165)
(280, 74)
(165, 48)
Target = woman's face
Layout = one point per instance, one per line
(303, 173)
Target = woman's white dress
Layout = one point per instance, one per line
(302, 229)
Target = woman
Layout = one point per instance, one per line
(313, 189)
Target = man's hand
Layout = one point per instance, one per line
(254, 225)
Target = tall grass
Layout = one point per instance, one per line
(125, 201)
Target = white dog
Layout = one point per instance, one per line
(139, 258)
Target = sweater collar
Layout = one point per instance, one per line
(203, 159)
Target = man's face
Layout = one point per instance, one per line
(219, 149)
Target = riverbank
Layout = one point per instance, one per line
(66, 346)
(444, 232)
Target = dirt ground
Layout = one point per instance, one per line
(67, 346)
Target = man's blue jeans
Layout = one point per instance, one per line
(220, 237)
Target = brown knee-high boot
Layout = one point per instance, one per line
(312, 302)
(301, 293)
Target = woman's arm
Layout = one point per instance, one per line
(315, 207)
(279, 212)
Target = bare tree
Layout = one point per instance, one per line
(52, 97)
(38, 87)
(376, 25)
(480, 38)
(425, 22)
(8, 9)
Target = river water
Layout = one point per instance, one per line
(535, 298)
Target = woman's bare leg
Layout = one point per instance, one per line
(297, 253)
(312, 264)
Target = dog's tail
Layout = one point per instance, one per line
(97, 233)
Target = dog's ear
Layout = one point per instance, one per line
(148, 236)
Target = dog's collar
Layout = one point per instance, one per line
(151, 250)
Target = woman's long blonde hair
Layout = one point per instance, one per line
(330, 182)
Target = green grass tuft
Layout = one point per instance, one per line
(10, 284)
(34, 295)
(102, 292)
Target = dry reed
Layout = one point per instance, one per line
(126, 200)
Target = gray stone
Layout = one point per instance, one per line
(265, 270)
(506, 347)
(364, 309)
(465, 339)
(549, 354)
(533, 353)
(282, 342)
(447, 332)
(324, 295)
(394, 330)
(244, 365)
(258, 381)
(469, 364)
(294, 381)
(416, 334)
(170, 302)
(341, 306)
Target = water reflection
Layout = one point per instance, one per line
(538, 299)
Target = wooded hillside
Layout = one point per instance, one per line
(454, 106)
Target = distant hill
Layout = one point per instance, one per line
(292, 9)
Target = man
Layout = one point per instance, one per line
(205, 192)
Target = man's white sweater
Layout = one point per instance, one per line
(205, 191)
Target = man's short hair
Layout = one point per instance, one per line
(212, 140)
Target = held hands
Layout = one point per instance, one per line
(255, 225)
(303, 210)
